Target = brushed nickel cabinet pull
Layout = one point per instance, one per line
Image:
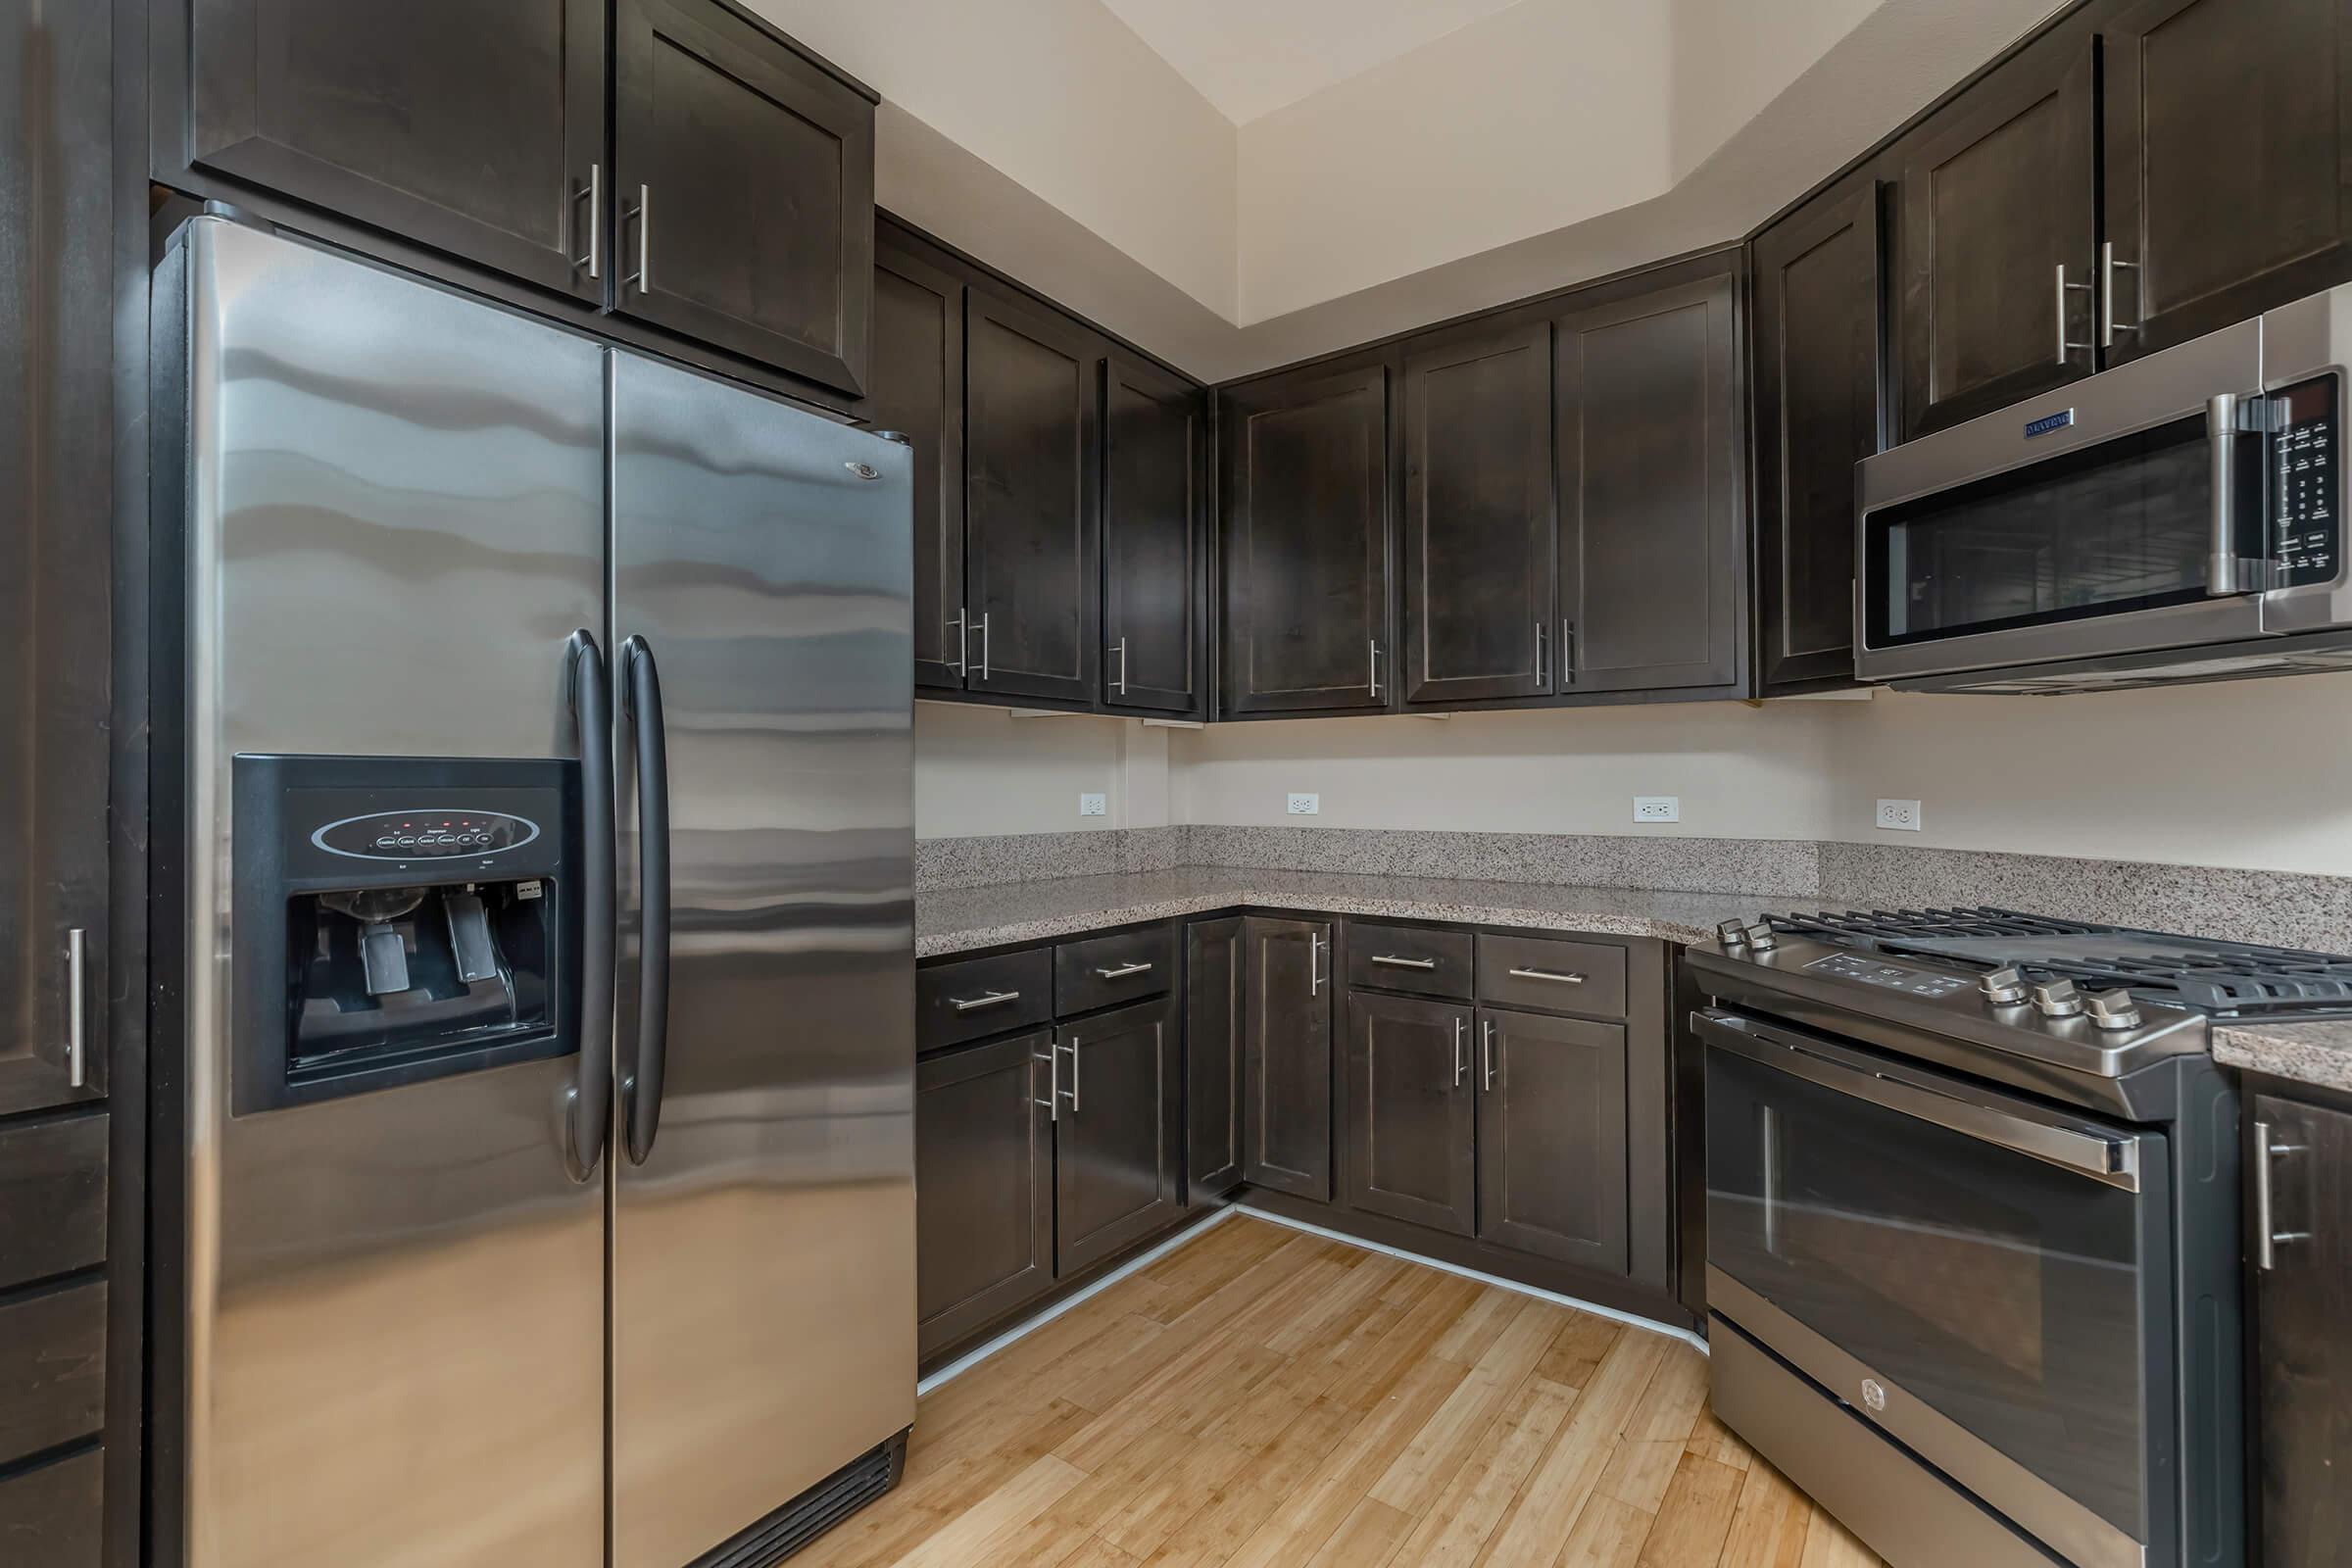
(1393, 962)
(1461, 1058)
(78, 1043)
(1122, 971)
(594, 195)
(1052, 1101)
(1555, 976)
(1486, 1042)
(995, 999)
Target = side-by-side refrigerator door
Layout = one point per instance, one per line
(379, 1267)
(762, 1276)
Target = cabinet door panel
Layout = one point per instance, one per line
(1412, 1111)
(1214, 1026)
(1998, 192)
(52, 1514)
(1818, 412)
(52, 1198)
(2304, 1358)
(744, 177)
(917, 391)
(1287, 1064)
(1649, 456)
(1305, 530)
(52, 1369)
(469, 128)
(1479, 531)
(1033, 523)
(1551, 1137)
(2229, 160)
(984, 1186)
(1118, 1144)
(1155, 498)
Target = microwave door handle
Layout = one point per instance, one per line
(2220, 545)
(2112, 1160)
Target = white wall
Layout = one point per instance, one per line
(1732, 57)
(979, 771)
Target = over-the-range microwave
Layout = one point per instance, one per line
(2176, 519)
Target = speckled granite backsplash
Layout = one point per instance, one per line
(2269, 906)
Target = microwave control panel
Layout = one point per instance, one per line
(2306, 483)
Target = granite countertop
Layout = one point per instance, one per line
(2316, 1052)
(959, 919)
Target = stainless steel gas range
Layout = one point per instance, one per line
(1973, 1226)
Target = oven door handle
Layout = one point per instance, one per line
(2087, 1153)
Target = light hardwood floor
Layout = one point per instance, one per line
(1262, 1398)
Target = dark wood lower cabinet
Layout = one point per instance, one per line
(1118, 1135)
(2303, 1306)
(984, 1185)
(1411, 1112)
(50, 1515)
(1213, 1029)
(1551, 1137)
(1287, 1066)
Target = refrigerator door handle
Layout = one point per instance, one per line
(640, 703)
(589, 1103)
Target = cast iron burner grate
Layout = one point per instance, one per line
(2228, 979)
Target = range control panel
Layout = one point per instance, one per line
(1873, 970)
(2306, 483)
(417, 832)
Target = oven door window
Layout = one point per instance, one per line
(2103, 531)
(2004, 1292)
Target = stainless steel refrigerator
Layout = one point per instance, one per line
(534, 1163)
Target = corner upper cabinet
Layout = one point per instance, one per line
(917, 391)
(741, 188)
(1997, 238)
(1818, 360)
(1478, 523)
(2228, 161)
(1033, 528)
(1155, 520)
(1304, 531)
(1652, 558)
(474, 129)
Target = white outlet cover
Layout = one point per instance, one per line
(1657, 809)
(1899, 817)
(1305, 804)
(1094, 806)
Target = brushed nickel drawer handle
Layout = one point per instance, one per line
(1122, 971)
(1394, 962)
(1555, 976)
(995, 999)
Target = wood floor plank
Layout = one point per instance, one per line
(1369, 1538)
(1566, 1478)
(1481, 1326)
(1006, 1509)
(1829, 1545)
(1640, 1471)
(1608, 1534)
(1583, 1342)
(1695, 1516)
(1235, 1511)
(1670, 1409)
(1457, 1523)
(1710, 1438)
(1770, 1523)
(1442, 1446)
(1354, 1298)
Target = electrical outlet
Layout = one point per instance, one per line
(1093, 805)
(1305, 804)
(1657, 809)
(1901, 817)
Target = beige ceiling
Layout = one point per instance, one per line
(1252, 57)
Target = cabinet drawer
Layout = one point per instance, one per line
(52, 1369)
(1584, 977)
(50, 1515)
(975, 997)
(52, 1199)
(1104, 971)
(1403, 957)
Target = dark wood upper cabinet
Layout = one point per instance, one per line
(1286, 1113)
(1412, 1111)
(743, 188)
(984, 1165)
(1155, 520)
(1819, 409)
(473, 129)
(1551, 1137)
(1118, 1159)
(1651, 596)
(2304, 1359)
(1999, 191)
(2228, 161)
(1478, 523)
(917, 391)
(1214, 1025)
(1033, 533)
(1305, 529)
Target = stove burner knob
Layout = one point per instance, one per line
(1760, 937)
(2112, 1010)
(2058, 999)
(2003, 987)
(1733, 934)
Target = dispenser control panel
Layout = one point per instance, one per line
(416, 832)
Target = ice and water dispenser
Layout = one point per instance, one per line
(398, 919)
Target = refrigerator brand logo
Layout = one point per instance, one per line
(2048, 423)
(863, 470)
